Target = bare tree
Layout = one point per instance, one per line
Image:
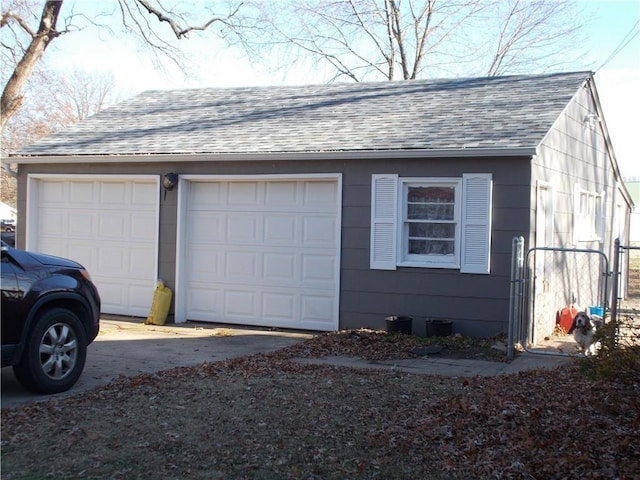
(12, 99)
(530, 33)
(25, 45)
(407, 39)
(80, 95)
(52, 102)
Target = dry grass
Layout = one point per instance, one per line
(634, 272)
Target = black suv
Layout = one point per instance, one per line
(50, 313)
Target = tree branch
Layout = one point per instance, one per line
(6, 17)
(181, 32)
(12, 98)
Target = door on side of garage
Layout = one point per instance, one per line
(260, 250)
(107, 223)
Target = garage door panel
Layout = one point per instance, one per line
(281, 266)
(204, 302)
(204, 264)
(317, 310)
(203, 195)
(114, 193)
(320, 194)
(241, 266)
(205, 227)
(54, 192)
(82, 193)
(142, 228)
(240, 303)
(132, 299)
(141, 261)
(111, 260)
(140, 298)
(112, 294)
(52, 222)
(318, 230)
(113, 225)
(242, 228)
(280, 306)
(280, 229)
(78, 224)
(242, 193)
(109, 226)
(319, 269)
(281, 194)
(144, 195)
(276, 248)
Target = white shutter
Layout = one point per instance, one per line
(476, 223)
(384, 212)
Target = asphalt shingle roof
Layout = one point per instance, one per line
(494, 112)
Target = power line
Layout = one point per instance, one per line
(623, 43)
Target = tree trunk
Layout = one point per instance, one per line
(12, 95)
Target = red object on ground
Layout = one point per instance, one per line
(565, 317)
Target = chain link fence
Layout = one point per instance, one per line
(625, 308)
(626, 278)
(545, 280)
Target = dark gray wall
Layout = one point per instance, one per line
(478, 304)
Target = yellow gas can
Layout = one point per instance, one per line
(160, 305)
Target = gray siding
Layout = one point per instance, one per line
(575, 152)
(478, 304)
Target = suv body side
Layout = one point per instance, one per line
(33, 283)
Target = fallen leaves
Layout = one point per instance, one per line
(264, 416)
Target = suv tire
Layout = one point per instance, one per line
(55, 352)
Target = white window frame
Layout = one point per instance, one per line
(588, 215)
(405, 259)
(473, 232)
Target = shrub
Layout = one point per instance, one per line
(619, 350)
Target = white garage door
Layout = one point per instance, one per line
(109, 225)
(260, 252)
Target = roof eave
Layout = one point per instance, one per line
(282, 156)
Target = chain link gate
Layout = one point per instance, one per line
(626, 283)
(626, 264)
(543, 282)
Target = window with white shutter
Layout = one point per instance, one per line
(431, 222)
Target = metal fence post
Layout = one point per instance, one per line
(515, 298)
(614, 282)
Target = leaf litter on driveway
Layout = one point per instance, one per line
(266, 417)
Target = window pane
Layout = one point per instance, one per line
(421, 211)
(430, 203)
(432, 230)
(432, 194)
(431, 222)
(431, 247)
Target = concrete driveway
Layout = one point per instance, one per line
(127, 347)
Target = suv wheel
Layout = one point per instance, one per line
(55, 353)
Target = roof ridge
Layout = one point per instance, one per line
(375, 83)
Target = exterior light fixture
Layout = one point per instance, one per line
(169, 180)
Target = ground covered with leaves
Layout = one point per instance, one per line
(267, 417)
